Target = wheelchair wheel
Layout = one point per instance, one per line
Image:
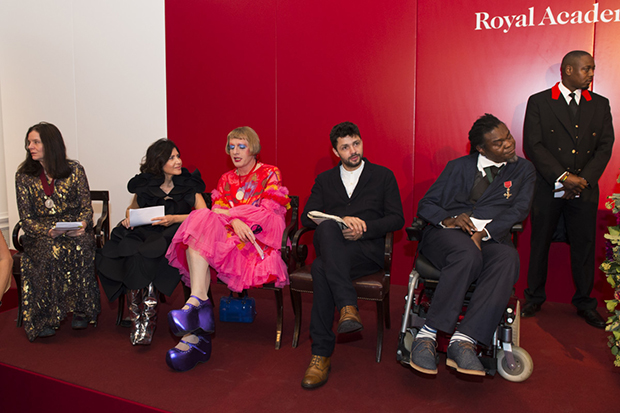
(524, 365)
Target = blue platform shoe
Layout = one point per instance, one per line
(184, 360)
(193, 319)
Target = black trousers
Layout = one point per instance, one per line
(495, 270)
(580, 219)
(338, 262)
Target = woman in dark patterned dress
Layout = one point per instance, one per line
(134, 261)
(58, 266)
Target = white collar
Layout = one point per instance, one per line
(565, 92)
(484, 162)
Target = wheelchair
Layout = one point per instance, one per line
(504, 355)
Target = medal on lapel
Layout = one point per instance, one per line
(48, 189)
(508, 185)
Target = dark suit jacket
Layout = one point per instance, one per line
(376, 200)
(554, 145)
(449, 195)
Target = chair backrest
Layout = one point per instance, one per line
(101, 229)
(289, 232)
(207, 198)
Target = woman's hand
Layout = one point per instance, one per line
(125, 223)
(77, 232)
(55, 233)
(244, 232)
(166, 220)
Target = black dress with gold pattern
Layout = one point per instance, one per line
(58, 274)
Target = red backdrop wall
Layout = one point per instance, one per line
(413, 75)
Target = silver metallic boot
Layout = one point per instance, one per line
(134, 299)
(149, 314)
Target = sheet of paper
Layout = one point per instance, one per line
(480, 223)
(143, 216)
(68, 226)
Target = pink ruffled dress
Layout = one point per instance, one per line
(259, 200)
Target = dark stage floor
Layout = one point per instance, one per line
(573, 368)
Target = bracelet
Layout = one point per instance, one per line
(565, 176)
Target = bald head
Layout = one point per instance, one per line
(572, 59)
(577, 70)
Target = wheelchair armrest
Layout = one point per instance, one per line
(414, 232)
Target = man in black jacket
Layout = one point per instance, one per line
(568, 135)
(367, 198)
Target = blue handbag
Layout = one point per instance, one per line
(237, 309)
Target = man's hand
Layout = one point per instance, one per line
(242, 230)
(350, 235)
(462, 221)
(477, 238)
(572, 186)
(356, 229)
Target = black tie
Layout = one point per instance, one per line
(572, 105)
(482, 183)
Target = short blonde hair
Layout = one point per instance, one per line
(247, 134)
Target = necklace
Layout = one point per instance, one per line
(240, 191)
(48, 189)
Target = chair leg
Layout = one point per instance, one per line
(379, 330)
(296, 301)
(121, 309)
(280, 322)
(386, 309)
(18, 282)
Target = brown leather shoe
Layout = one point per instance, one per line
(317, 372)
(350, 321)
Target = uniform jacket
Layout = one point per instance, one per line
(555, 145)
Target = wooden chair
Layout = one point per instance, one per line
(373, 287)
(102, 234)
(289, 231)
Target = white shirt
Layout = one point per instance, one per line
(484, 162)
(351, 178)
(566, 92)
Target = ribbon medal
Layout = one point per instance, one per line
(508, 185)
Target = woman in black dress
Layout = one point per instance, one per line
(134, 261)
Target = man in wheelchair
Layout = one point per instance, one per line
(470, 210)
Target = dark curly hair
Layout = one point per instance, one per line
(157, 155)
(56, 162)
(341, 130)
(481, 127)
